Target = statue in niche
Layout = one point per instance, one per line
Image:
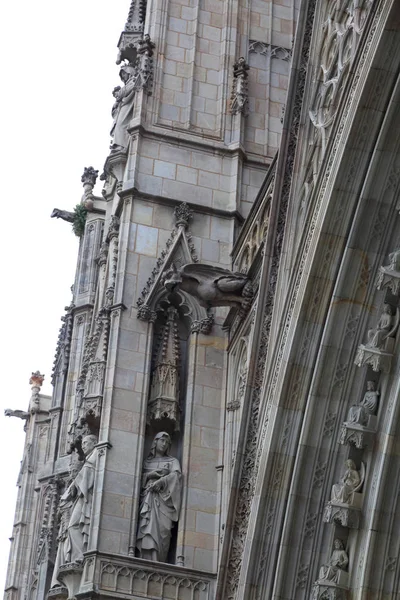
(360, 413)
(75, 509)
(64, 513)
(337, 562)
(394, 264)
(123, 108)
(160, 500)
(384, 329)
(212, 286)
(351, 482)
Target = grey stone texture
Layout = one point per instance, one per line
(270, 398)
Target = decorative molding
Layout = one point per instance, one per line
(163, 402)
(270, 50)
(240, 85)
(145, 580)
(179, 249)
(256, 431)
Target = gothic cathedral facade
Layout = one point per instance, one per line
(225, 416)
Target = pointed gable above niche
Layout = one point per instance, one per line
(179, 250)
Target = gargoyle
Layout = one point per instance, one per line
(211, 286)
(20, 414)
(65, 215)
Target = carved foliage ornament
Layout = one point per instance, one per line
(253, 446)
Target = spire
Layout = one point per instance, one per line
(133, 32)
(164, 393)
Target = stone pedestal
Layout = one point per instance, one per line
(324, 590)
(379, 360)
(347, 515)
(388, 278)
(358, 435)
(58, 593)
(71, 574)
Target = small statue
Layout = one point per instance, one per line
(123, 108)
(115, 108)
(394, 264)
(64, 514)
(160, 500)
(337, 562)
(65, 215)
(384, 329)
(212, 286)
(76, 504)
(360, 413)
(351, 482)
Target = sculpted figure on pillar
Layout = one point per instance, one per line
(350, 483)
(160, 500)
(383, 330)
(122, 109)
(337, 562)
(360, 413)
(75, 509)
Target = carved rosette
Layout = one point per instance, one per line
(345, 515)
(164, 393)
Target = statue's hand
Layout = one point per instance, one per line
(157, 486)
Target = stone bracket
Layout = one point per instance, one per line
(352, 434)
(346, 515)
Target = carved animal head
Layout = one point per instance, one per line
(173, 278)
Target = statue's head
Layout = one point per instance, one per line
(172, 278)
(371, 386)
(350, 464)
(88, 443)
(116, 90)
(387, 309)
(126, 72)
(161, 444)
(338, 544)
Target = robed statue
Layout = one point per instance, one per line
(360, 413)
(75, 511)
(160, 500)
(351, 482)
(122, 110)
(337, 562)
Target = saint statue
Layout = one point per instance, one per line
(160, 500)
(75, 510)
(337, 562)
(359, 413)
(377, 336)
(350, 482)
(394, 259)
(122, 109)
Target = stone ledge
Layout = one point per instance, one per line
(141, 578)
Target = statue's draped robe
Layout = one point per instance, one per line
(338, 561)
(158, 510)
(77, 501)
(341, 492)
(377, 336)
(123, 114)
(359, 413)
